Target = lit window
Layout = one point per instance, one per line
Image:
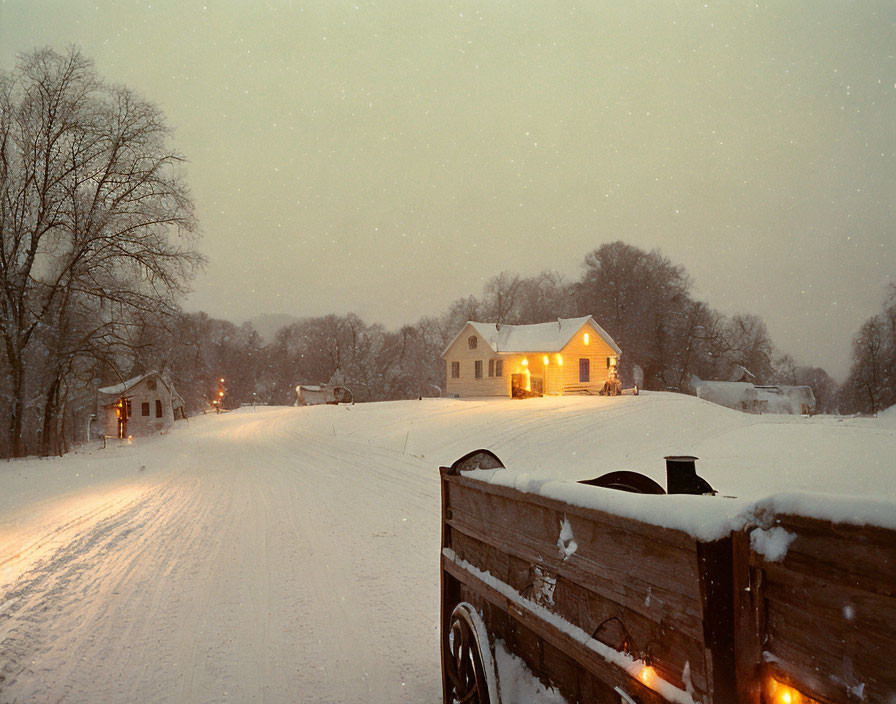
(587, 338)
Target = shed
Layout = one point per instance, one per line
(753, 398)
(314, 394)
(566, 356)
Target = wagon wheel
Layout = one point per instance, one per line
(470, 679)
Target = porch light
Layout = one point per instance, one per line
(560, 360)
(525, 362)
(220, 393)
(546, 360)
(221, 379)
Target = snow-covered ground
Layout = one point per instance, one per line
(291, 554)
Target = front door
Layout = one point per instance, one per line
(554, 381)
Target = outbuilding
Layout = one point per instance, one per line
(141, 405)
(318, 394)
(756, 398)
(566, 356)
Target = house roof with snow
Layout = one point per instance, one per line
(540, 337)
(118, 390)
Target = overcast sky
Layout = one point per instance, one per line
(387, 158)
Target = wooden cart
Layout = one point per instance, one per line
(606, 608)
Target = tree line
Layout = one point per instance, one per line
(98, 247)
(642, 299)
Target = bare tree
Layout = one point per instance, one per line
(500, 297)
(90, 196)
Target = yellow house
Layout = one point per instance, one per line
(570, 355)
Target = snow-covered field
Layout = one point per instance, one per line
(291, 554)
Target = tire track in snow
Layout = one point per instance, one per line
(261, 567)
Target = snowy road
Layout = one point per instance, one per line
(250, 564)
(291, 555)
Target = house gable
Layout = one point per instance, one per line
(150, 398)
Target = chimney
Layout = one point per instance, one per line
(681, 476)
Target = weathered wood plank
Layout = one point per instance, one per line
(862, 557)
(718, 615)
(610, 546)
(671, 536)
(611, 674)
(748, 626)
(838, 606)
(651, 599)
(654, 629)
(805, 645)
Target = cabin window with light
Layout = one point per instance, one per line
(472, 342)
(587, 338)
(455, 370)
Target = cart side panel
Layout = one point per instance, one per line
(634, 587)
(827, 610)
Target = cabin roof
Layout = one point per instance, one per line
(125, 386)
(539, 337)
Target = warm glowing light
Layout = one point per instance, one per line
(528, 380)
(782, 694)
(545, 360)
(560, 360)
(525, 362)
(221, 379)
(587, 338)
(130, 439)
(612, 361)
(646, 675)
(220, 393)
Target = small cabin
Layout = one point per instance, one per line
(142, 405)
(566, 356)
